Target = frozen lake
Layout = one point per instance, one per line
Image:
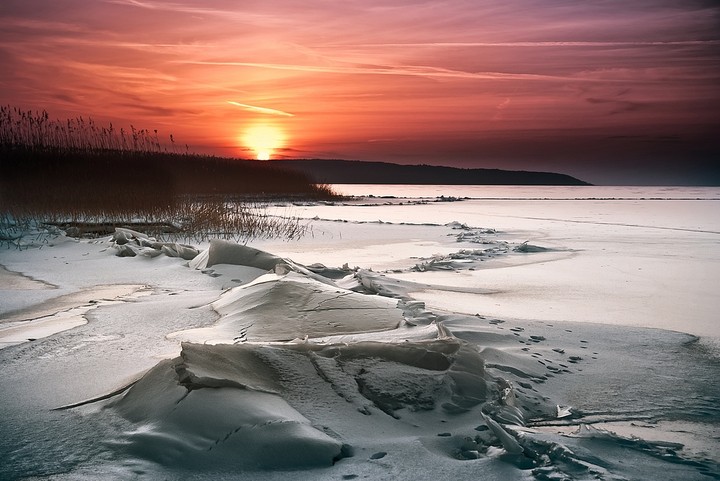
(628, 259)
(521, 333)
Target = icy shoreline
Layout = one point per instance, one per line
(341, 373)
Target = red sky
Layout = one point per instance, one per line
(610, 91)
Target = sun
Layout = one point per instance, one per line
(263, 140)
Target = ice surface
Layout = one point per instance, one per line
(60, 313)
(492, 363)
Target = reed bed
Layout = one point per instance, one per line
(86, 178)
(37, 131)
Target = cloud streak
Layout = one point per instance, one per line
(261, 110)
(400, 70)
(237, 14)
(670, 43)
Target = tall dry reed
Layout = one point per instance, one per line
(90, 178)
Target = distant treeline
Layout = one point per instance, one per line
(81, 163)
(361, 172)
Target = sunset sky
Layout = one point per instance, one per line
(610, 91)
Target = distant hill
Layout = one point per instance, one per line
(361, 172)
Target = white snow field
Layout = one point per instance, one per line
(529, 334)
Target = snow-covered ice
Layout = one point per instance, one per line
(478, 339)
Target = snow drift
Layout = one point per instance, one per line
(230, 399)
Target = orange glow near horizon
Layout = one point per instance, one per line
(573, 87)
(264, 140)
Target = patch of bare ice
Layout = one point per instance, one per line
(60, 313)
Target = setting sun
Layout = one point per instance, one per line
(263, 140)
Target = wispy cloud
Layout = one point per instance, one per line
(261, 110)
(44, 26)
(402, 70)
(503, 105)
(129, 74)
(500, 107)
(618, 106)
(235, 14)
(678, 43)
(170, 6)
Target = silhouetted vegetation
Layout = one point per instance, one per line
(78, 172)
(362, 172)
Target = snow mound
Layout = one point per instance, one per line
(291, 306)
(225, 252)
(226, 406)
(292, 346)
(203, 410)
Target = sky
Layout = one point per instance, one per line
(610, 91)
